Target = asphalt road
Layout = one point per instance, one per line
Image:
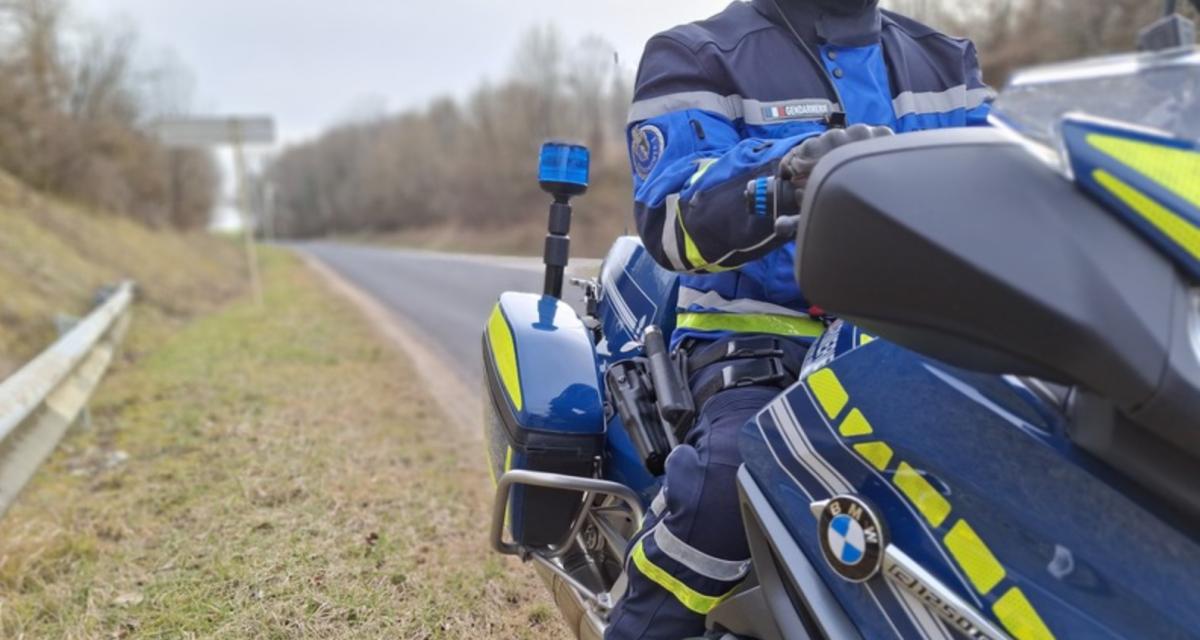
(445, 297)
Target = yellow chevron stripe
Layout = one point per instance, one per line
(1171, 224)
(877, 453)
(1178, 170)
(829, 391)
(856, 424)
(928, 501)
(975, 558)
(1020, 618)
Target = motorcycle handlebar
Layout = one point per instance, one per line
(778, 197)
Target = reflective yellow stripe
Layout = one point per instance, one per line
(865, 339)
(1176, 169)
(690, 250)
(928, 501)
(877, 453)
(856, 425)
(976, 560)
(1020, 618)
(1171, 224)
(704, 165)
(689, 597)
(791, 326)
(829, 391)
(504, 353)
(508, 460)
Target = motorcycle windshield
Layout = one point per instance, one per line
(1159, 92)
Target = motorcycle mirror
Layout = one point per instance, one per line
(961, 245)
(1172, 31)
(563, 173)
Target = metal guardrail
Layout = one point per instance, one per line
(42, 400)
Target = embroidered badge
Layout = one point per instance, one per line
(646, 148)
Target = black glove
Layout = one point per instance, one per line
(797, 166)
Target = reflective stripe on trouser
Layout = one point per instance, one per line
(692, 553)
(779, 325)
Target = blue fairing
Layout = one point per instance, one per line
(1093, 556)
(635, 293)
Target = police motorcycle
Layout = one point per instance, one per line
(999, 435)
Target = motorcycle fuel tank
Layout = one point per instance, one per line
(929, 497)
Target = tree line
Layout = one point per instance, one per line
(468, 164)
(74, 101)
(469, 161)
(1012, 34)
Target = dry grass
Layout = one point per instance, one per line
(54, 257)
(258, 474)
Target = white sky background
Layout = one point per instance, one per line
(313, 63)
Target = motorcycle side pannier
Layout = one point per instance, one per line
(544, 409)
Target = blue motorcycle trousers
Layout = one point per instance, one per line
(692, 550)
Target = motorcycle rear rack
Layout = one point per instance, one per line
(546, 556)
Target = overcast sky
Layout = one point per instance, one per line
(312, 63)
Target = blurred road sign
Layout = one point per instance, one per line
(237, 132)
(212, 131)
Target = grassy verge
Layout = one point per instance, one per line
(263, 474)
(54, 256)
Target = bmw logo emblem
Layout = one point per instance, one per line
(852, 537)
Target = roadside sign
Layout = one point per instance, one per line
(213, 131)
(236, 132)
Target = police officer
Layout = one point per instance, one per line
(762, 89)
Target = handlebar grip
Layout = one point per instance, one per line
(673, 401)
(772, 196)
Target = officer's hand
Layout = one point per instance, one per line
(798, 164)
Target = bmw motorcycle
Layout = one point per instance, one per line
(999, 436)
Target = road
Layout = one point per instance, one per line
(446, 298)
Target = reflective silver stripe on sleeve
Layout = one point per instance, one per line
(733, 107)
(670, 237)
(714, 301)
(728, 106)
(958, 97)
(696, 560)
(760, 113)
(659, 503)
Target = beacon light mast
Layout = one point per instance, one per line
(562, 173)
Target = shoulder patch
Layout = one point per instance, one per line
(646, 148)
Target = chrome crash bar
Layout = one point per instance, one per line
(589, 487)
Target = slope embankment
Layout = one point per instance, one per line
(55, 256)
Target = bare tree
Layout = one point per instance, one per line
(71, 104)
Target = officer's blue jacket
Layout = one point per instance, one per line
(719, 102)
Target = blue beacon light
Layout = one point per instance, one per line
(563, 169)
(563, 173)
